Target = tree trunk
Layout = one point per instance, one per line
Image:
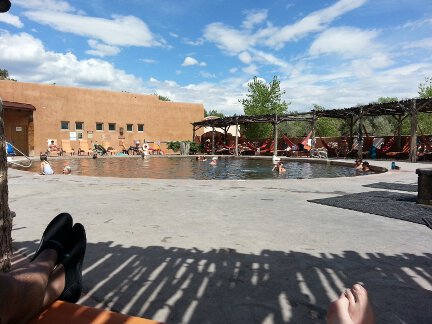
(5, 215)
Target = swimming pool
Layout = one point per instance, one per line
(190, 168)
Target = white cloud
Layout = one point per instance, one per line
(418, 23)
(53, 5)
(425, 43)
(190, 61)
(254, 17)
(148, 61)
(344, 41)
(244, 42)
(269, 59)
(245, 57)
(197, 42)
(207, 75)
(228, 39)
(119, 31)
(29, 61)
(101, 50)
(10, 19)
(252, 69)
(313, 22)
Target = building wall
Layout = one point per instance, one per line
(163, 120)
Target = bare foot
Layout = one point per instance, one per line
(352, 307)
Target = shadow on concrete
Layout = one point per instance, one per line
(178, 285)
(393, 186)
(390, 204)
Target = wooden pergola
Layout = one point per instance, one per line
(398, 110)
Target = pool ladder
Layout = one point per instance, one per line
(24, 164)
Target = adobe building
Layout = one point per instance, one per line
(37, 113)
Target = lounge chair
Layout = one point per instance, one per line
(109, 148)
(99, 149)
(64, 312)
(400, 154)
(84, 147)
(66, 147)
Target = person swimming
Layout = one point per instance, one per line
(358, 164)
(214, 161)
(67, 170)
(279, 167)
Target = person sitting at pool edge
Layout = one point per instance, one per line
(54, 272)
(53, 148)
(45, 166)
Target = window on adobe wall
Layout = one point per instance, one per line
(140, 127)
(64, 125)
(99, 126)
(79, 135)
(79, 126)
(129, 127)
(111, 127)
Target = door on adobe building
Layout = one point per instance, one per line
(19, 138)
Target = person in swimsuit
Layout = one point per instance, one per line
(45, 166)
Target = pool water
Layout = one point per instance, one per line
(190, 168)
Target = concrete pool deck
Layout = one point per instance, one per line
(228, 251)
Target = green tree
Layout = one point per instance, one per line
(262, 99)
(326, 126)
(425, 89)
(425, 120)
(213, 112)
(4, 75)
(163, 98)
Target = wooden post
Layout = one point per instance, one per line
(226, 128)
(351, 126)
(236, 140)
(193, 133)
(5, 214)
(360, 135)
(213, 141)
(399, 120)
(413, 140)
(314, 122)
(275, 136)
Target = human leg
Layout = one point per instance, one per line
(24, 290)
(352, 307)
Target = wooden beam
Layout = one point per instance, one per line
(413, 139)
(360, 135)
(236, 141)
(275, 126)
(213, 141)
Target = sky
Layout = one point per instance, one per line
(336, 54)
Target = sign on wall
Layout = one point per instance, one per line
(73, 136)
(18, 129)
(89, 134)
